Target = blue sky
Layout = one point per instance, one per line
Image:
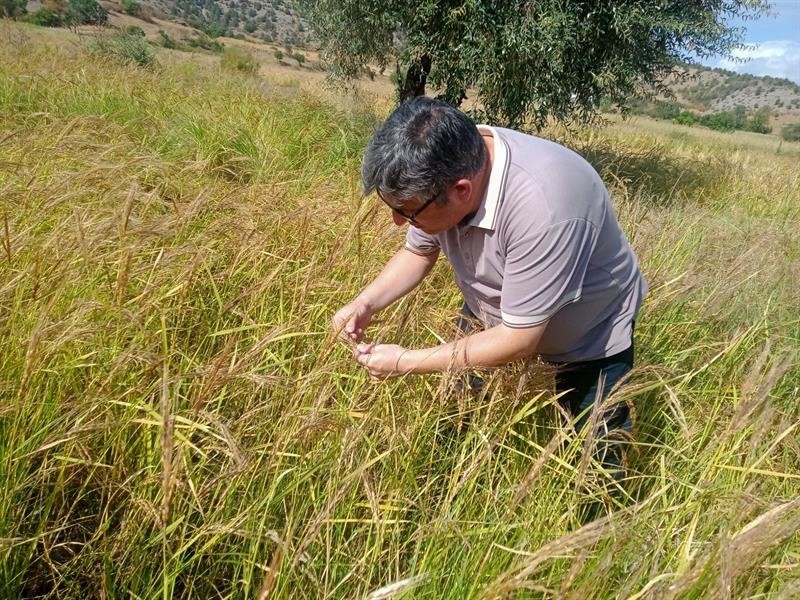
(773, 44)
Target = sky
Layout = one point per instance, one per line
(773, 44)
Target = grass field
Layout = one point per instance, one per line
(177, 419)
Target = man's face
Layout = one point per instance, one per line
(433, 215)
(403, 215)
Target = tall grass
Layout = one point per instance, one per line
(177, 419)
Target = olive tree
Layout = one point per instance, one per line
(526, 61)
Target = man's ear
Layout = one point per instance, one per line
(462, 189)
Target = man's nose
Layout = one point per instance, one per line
(398, 219)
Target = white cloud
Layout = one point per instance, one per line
(778, 58)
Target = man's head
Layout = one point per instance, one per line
(422, 158)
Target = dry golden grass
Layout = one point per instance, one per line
(177, 419)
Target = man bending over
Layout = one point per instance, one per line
(528, 228)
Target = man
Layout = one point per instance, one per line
(529, 230)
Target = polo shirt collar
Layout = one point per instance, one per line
(485, 216)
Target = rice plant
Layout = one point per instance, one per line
(178, 420)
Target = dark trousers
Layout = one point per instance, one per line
(579, 383)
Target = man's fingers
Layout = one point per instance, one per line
(363, 358)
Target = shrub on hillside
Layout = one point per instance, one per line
(127, 47)
(132, 7)
(210, 29)
(133, 30)
(791, 132)
(238, 59)
(85, 12)
(758, 121)
(666, 110)
(205, 42)
(46, 17)
(726, 120)
(165, 39)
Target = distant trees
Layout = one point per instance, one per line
(756, 121)
(13, 8)
(527, 61)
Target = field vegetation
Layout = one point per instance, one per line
(178, 420)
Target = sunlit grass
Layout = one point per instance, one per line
(177, 419)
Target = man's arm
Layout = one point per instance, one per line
(404, 271)
(490, 348)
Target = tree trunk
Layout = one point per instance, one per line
(413, 84)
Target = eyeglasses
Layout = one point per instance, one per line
(412, 218)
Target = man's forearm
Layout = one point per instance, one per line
(401, 274)
(490, 348)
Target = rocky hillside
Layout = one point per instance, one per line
(274, 21)
(707, 90)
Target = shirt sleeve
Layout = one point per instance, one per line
(544, 271)
(419, 242)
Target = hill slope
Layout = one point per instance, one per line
(268, 20)
(704, 89)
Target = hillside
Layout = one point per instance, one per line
(703, 89)
(276, 21)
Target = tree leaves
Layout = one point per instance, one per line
(526, 61)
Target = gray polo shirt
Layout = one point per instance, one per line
(545, 246)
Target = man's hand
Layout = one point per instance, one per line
(351, 321)
(381, 361)
(492, 347)
(400, 275)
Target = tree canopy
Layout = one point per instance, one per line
(526, 61)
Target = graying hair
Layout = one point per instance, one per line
(423, 147)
